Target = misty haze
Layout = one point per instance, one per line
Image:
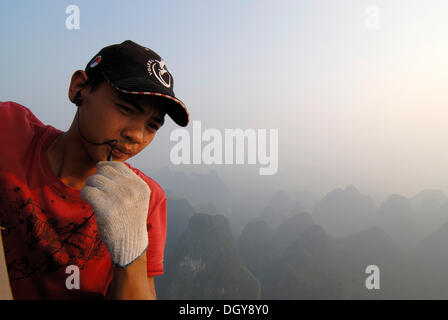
(221, 244)
(357, 94)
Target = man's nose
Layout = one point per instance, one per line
(134, 132)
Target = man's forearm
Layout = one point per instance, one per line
(131, 282)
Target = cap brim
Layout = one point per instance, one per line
(177, 111)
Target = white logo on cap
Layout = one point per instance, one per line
(159, 70)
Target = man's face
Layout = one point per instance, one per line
(107, 114)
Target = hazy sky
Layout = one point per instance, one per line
(352, 104)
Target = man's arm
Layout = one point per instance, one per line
(152, 288)
(132, 283)
(120, 200)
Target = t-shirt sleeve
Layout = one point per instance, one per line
(156, 238)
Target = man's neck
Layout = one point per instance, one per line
(69, 161)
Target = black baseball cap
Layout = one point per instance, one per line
(134, 69)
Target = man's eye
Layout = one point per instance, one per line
(126, 109)
(153, 126)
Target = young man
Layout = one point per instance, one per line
(77, 221)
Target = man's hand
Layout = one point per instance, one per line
(120, 200)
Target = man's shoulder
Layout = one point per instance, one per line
(14, 107)
(19, 127)
(156, 190)
(17, 113)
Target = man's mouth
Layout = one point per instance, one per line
(121, 152)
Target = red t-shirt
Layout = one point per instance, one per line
(39, 212)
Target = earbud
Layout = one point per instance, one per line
(77, 99)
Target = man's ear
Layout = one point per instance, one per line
(77, 83)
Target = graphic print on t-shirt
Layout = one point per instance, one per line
(43, 236)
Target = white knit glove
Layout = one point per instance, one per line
(120, 200)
